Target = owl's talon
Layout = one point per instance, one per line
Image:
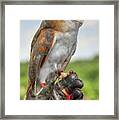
(63, 75)
(42, 85)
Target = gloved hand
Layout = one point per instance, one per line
(68, 87)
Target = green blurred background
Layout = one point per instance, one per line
(85, 61)
(87, 70)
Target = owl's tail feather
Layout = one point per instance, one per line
(30, 87)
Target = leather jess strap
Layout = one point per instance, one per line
(68, 97)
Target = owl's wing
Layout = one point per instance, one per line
(40, 47)
(36, 35)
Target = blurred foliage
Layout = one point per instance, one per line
(87, 70)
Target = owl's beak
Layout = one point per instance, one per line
(79, 22)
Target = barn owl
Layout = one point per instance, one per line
(51, 50)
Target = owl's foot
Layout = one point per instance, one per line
(42, 86)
